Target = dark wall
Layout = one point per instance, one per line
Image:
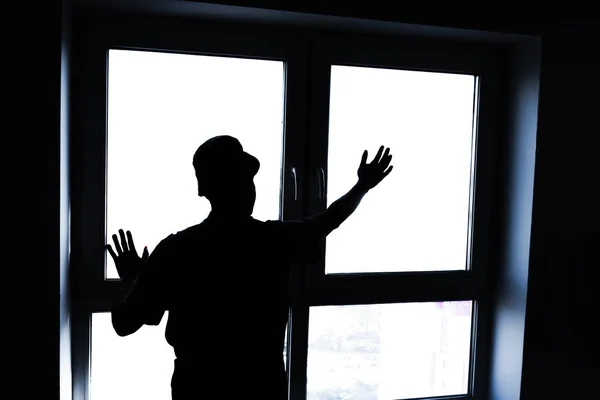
(493, 17)
(29, 277)
(561, 347)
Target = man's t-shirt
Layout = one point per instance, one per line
(225, 286)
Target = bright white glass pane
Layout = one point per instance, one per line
(389, 351)
(161, 107)
(418, 218)
(139, 366)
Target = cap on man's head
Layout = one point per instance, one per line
(222, 158)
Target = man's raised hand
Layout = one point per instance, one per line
(371, 174)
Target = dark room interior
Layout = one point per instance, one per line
(537, 231)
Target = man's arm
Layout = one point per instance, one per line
(134, 310)
(369, 176)
(125, 318)
(140, 303)
(339, 210)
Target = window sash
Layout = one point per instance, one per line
(419, 55)
(89, 176)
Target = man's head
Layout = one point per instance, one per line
(225, 174)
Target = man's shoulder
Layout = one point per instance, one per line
(193, 232)
(277, 224)
(288, 223)
(182, 236)
(286, 228)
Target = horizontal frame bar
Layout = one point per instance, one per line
(407, 53)
(188, 37)
(345, 290)
(394, 288)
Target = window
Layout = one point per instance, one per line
(389, 351)
(113, 358)
(426, 119)
(161, 107)
(396, 306)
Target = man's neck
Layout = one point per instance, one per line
(228, 216)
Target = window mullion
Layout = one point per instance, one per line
(294, 203)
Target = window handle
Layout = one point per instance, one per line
(321, 181)
(295, 179)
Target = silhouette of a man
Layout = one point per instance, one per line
(225, 280)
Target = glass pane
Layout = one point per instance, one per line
(418, 218)
(388, 351)
(161, 107)
(139, 366)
